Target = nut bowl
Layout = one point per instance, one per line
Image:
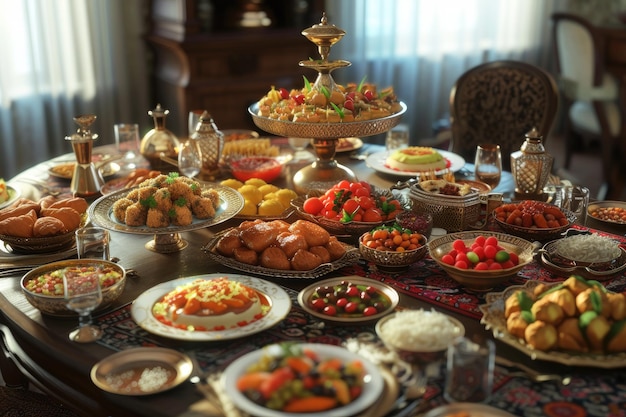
(481, 280)
(113, 279)
(393, 260)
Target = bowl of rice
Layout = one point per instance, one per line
(587, 254)
(419, 336)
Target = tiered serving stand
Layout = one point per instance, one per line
(325, 170)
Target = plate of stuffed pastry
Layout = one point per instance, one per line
(577, 322)
(303, 250)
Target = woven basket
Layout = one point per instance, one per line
(452, 213)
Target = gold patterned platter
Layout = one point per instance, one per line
(494, 319)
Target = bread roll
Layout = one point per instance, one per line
(70, 217)
(48, 226)
(290, 243)
(24, 207)
(47, 201)
(77, 203)
(246, 255)
(322, 252)
(335, 248)
(20, 226)
(259, 236)
(228, 243)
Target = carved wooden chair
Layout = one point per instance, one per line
(499, 102)
(591, 95)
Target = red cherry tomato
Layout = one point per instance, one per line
(459, 245)
(372, 215)
(313, 205)
(351, 206)
(284, 94)
(299, 98)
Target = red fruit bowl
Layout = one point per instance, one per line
(262, 167)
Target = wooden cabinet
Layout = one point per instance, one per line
(201, 61)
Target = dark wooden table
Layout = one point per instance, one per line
(40, 346)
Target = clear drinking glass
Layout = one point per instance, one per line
(127, 143)
(488, 164)
(92, 243)
(83, 294)
(397, 138)
(190, 158)
(469, 376)
(299, 146)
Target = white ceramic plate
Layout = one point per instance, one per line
(472, 410)
(13, 195)
(377, 162)
(348, 144)
(372, 389)
(115, 372)
(493, 318)
(101, 213)
(141, 310)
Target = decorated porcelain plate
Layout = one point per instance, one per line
(66, 170)
(142, 371)
(467, 410)
(14, 194)
(101, 213)
(141, 310)
(377, 162)
(494, 319)
(372, 388)
(348, 144)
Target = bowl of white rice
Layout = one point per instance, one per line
(419, 335)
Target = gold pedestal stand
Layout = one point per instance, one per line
(325, 171)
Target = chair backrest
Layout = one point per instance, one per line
(499, 102)
(578, 52)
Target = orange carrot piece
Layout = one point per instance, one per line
(310, 404)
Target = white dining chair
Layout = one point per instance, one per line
(590, 94)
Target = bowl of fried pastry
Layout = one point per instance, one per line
(44, 226)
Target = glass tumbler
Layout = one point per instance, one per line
(470, 367)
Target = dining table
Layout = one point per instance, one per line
(38, 350)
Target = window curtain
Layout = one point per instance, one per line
(421, 47)
(65, 58)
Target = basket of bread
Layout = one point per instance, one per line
(454, 207)
(43, 226)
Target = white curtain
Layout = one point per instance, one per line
(64, 58)
(421, 47)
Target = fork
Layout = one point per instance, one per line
(526, 372)
(41, 186)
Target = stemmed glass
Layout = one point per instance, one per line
(190, 158)
(299, 146)
(83, 294)
(488, 164)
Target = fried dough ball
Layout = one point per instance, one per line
(570, 337)
(548, 311)
(322, 252)
(303, 260)
(260, 236)
(575, 285)
(119, 209)
(144, 193)
(202, 208)
(135, 215)
(595, 332)
(212, 195)
(516, 325)
(274, 258)
(617, 343)
(163, 199)
(133, 195)
(540, 335)
(617, 303)
(246, 255)
(182, 215)
(512, 303)
(335, 248)
(180, 190)
(290, 243)
(228, 243)
(565, 299)
(584, 301)
(157, 218)
(249, 223)
(314, 234)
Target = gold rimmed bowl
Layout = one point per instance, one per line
(481, 280)
(393, 260)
